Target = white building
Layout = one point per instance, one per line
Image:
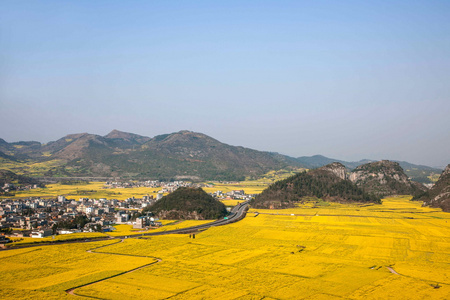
(41, 233)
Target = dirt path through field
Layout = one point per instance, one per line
(71, 291)
(392, 271)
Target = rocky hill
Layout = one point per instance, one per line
(336, 168)
(384, 178)
(418, 173)
(439, 194)
(329, 183)
(188, 204)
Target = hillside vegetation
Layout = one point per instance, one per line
(385, 178)
(188, 203)
(418, 173)
(7, 176)
(180, 155)
(328, 183)
(439, 194)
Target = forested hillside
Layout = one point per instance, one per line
(320, 183)
(188, 203)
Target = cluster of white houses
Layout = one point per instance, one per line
(236, 194)
(168, 186)
(37, 217)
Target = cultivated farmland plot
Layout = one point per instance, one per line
(397, 250)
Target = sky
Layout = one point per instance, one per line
(346, 79)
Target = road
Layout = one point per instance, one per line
(237, 213)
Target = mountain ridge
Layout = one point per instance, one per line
(182, 154)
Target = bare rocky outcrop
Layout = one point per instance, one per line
(446, 172)
(337, 169)
(384, 178)
(439, 194)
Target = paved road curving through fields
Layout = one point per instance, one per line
(237, 213)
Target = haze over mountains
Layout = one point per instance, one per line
(179, 155)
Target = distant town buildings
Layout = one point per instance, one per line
(38, 217)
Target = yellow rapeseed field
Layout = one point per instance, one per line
(397, 250)
(231, 202)
(125, 229)
(30, 168)
(90, 190)
(97, 190)
(62, 237)
(45, 272)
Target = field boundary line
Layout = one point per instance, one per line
(21, 253)
(71, 291)
(391, 269)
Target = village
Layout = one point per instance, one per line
(41, 217)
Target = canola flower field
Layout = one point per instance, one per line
(89, 190)
(397, 250)
(96, 189)
(125, 229)
(61, 237)
(255, 186)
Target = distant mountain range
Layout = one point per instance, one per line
(179, 155)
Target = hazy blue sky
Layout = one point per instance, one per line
(346, 79)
